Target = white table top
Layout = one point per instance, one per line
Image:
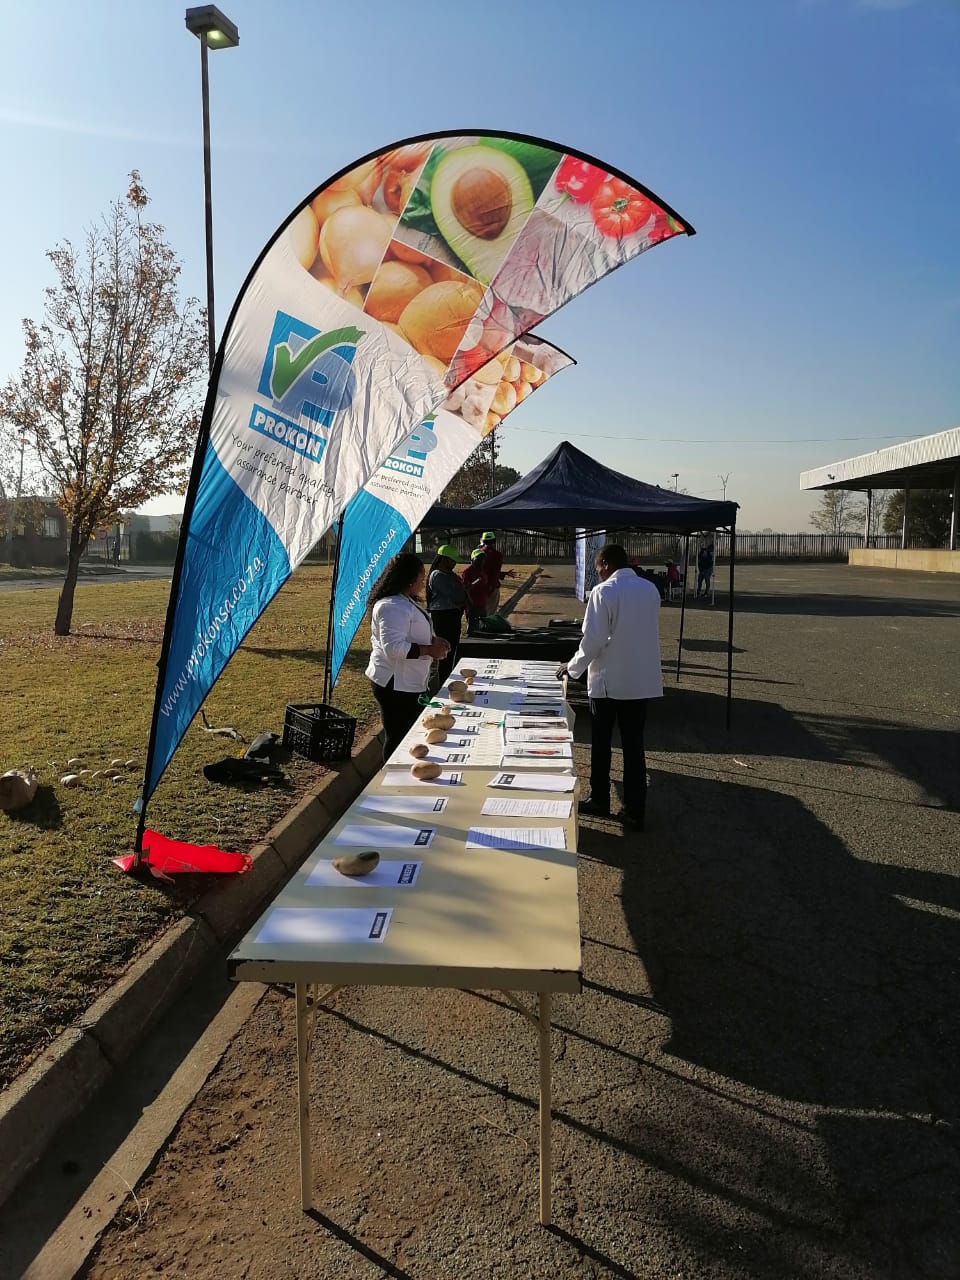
(475, 918)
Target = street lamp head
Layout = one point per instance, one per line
(208, 21)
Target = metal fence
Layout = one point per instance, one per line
(533, 547)
(658, 548)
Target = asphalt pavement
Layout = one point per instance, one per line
(93, 575)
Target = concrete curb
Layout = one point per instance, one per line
(59, 1084)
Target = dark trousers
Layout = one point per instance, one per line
(398, 710)
(446, 624)
(631, 716)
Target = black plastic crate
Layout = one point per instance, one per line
(318, 731)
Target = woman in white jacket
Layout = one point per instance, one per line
(402, 646)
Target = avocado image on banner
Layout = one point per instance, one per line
(480, 198)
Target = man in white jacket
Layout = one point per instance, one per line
(620, 652)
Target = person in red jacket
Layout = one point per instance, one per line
(493, 570)
(474, 578)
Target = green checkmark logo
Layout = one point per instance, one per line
(288, 367)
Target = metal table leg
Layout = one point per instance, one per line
(546, 1166)
(304, 1043)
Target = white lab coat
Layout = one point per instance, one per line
(620, 648)
(396, 624)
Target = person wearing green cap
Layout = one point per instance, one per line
(474, 579)
(493, 570)
(446, 601)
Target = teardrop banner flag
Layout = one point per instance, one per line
(393, 501)
(385, 289)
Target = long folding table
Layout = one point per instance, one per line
(435, 914)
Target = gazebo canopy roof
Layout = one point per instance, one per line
(571, 489)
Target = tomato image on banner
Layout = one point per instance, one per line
(388, 287)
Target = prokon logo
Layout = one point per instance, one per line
(412, 452)
(308, 379)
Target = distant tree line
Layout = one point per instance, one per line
(928, 513)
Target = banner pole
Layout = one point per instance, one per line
(683, 598)
(733, 558)
(327, 664)
(193, 486)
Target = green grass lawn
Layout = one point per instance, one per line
(70, 921)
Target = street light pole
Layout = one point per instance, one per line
(675, 477)
(207, 196)
(214, 30)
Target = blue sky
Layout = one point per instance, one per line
(814, 144)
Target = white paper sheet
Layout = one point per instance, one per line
(521, 706)
(532, 763)
(391, 874)
(404, 778)
(387, 835)
(402, 804)
(541, 751)
(299, 925)
(489, 758)
(516, 720)
(516, 838)
(541, 734)
(527, 808)
(530, 781)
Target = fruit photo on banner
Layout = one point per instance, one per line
(389, 287)
(444, 242)
(496, 388)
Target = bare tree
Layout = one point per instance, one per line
(109, 393)
(839, 511)
(879, 502)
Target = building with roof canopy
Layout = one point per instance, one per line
(930, 462)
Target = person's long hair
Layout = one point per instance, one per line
(401, 573)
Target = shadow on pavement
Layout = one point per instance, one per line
(690, 720)
(789, 967)
(83, 1149)
(842, 606)
(386, 1267)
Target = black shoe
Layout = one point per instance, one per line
(594, 808)
(631, 821)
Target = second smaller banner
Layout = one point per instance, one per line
(385, 512)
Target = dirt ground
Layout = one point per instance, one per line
(760, 1076)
